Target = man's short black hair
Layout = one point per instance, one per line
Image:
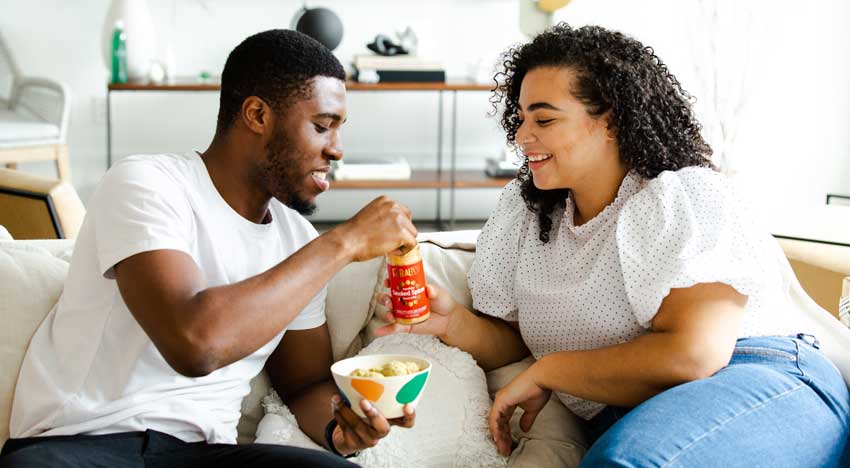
(276, 66)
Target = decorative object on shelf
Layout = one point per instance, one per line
(169, 62)
(156, 75)
(507, 166)
(480, 70)
(408, 40)
(537, 15)
(140, 36)
(371, 68)
(119, 54)
(321, 24)
(371, 169)
(384, 45)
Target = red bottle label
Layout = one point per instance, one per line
(407, 290)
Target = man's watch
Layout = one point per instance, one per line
(329, 439)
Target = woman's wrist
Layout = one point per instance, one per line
(539, 374)
(456, 324)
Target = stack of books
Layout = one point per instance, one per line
(373, 68)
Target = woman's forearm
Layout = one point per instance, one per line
(492, 342)
(693, 336)
(626, 374)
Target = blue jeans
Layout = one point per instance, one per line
(779, 403)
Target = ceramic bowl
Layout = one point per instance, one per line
(388, 394)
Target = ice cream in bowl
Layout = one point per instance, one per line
(389, 381)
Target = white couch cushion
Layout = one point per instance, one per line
(31, 279)
(351, 297)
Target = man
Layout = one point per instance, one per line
(192, 272)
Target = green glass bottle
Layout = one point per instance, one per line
(119, 53)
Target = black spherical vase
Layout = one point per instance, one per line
(321, 24)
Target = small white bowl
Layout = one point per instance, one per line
(388, 394)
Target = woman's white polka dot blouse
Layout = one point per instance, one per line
(601, 283)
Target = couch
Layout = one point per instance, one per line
(32, 273)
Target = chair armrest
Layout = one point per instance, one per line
(844, 303)
(47, 99)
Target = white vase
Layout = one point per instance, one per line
(170, 63)
(140, 34)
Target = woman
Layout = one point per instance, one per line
(625, 264)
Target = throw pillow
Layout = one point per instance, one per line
(451, 427)
(350, 297)
(31, 280)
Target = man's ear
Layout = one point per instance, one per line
(256, 115)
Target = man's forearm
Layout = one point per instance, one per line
(266, 303)
(492, 342)
(312, 409)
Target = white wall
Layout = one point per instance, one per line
(793, 138)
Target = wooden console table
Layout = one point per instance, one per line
(438, 179)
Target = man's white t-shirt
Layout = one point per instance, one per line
(90, 368)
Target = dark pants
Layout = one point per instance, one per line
(152, 449)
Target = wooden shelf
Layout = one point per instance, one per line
(422, 179)
(191, 84)
(427, 179)
(451, 85)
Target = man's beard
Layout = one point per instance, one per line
(283, 174)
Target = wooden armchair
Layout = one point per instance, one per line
(33, 207)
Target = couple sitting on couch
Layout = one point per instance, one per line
(619, 258)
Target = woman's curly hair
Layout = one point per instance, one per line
(650, 113)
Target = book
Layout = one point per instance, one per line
(371, 169)
(397, 76)
(394, 62)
